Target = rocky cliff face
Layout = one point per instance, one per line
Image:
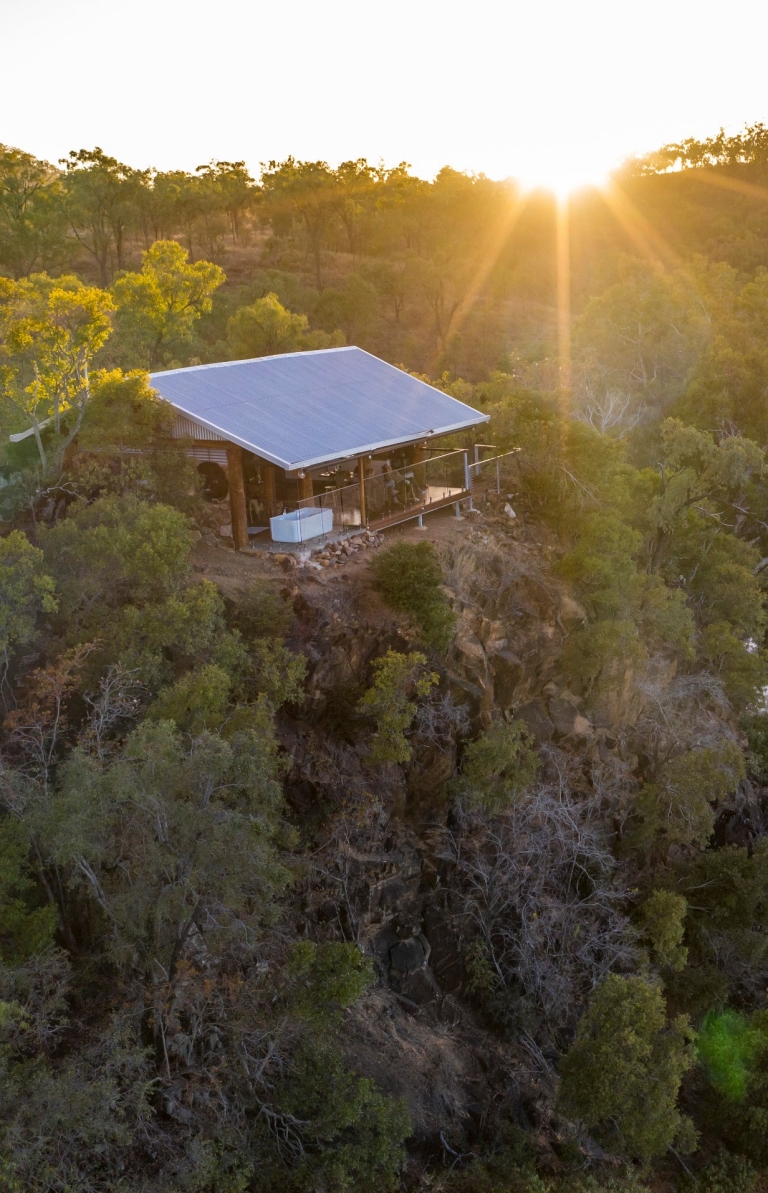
(385, 863)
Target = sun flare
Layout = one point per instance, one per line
(563, 179)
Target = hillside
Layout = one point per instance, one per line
(430, 860)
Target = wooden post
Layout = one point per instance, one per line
(268, 482)
(237, 508)
(306, 488)
(361, 477)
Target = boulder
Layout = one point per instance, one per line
(534, 716)
(563, 715)
(406, 956)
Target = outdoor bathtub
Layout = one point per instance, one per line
(300, 525)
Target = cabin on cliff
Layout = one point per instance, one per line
(310, 442)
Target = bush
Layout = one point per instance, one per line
(727, 1046)
(623, 1071)
(261, 612)
(662, 918)
(397, 675)
(497, 768)
(411, 580)
(727, 1174)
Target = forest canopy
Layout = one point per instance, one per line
(440, 865)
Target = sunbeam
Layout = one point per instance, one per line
(563, 268)
(496, 242)
(642, 232)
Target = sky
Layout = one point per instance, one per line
(552, 92)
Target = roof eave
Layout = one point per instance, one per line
(384, 444)
(313, 462)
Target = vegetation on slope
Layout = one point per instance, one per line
(213, 859)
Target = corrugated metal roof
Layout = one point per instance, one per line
(306, 408)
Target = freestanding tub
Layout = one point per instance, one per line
(300, 525)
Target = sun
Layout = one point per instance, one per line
(563, 179)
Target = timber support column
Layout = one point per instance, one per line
(268, 482)
(237, 508)
(306, 488)
(361, 478)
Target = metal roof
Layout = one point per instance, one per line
(307, 408)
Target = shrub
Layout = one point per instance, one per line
(727, 1046)
(388, 701)
(678, 808)
(497, 768)
(623, 1071)
(410, 580)
(261, 612)
(662, 918)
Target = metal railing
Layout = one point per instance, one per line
(496, 473)
(397, 494)
(390, 493)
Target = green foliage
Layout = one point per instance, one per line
(677, 809)
(117, 550)
(125, 445)
(662, 919)
(24, 928)
(276, 673)
(50, 331)
(727, 1044)
(266, 329)
(756, 728)
(353, 1135)
(727, 893)
(594, 655)
(157, 308)
(261, 611)
(726, 1174)
(324, 979)
(122, 566)
(742, 668)
(396, 677)
(622, 1074)
(26, 590)
(497, 768)
(197, 701)
(410, 579)
(211, 871)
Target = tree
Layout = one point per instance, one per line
(642, 336)
(157, 308)
(122, 566)
(24, 928)
(662, 919)
(304, 193)
(396, 677)
(622, 1073)
(266, 328)
(210, 873)
(98, 195)
(26, 590)
(32, 225)
(677, 809)
(235, 187)
(497, 768)
(50, 331)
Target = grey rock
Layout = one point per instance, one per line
(534, 716)
(407, 956)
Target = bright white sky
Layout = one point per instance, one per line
(551, 91)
